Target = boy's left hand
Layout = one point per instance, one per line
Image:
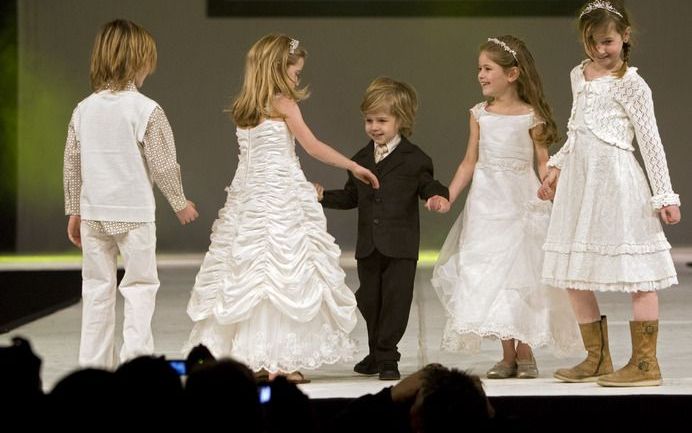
(437, 203)
(74, 233)
(319, 189)
(187, 214)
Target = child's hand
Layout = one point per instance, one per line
(545, 193)
(188, 214)
(547, 189)
(74, 233)
(670, 214)
(437, 203)
(320, 191)
(364, 175)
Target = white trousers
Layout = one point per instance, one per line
(138, 287)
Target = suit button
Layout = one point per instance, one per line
(378, 200)
(376, 221)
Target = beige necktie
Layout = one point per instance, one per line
(381, 151)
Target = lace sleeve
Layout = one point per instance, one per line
(635, 97)
(558, 158)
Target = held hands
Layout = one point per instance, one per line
(188, 214)
(319, 189)
(670, 214)
(74, 233)
(438, 204)
(364, 175)
(547, 189)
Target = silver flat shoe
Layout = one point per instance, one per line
(502, 371)
(526, 368)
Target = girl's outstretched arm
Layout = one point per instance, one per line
(464, 173)
(316, 148)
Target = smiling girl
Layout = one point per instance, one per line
(488, 273)
(604, 233)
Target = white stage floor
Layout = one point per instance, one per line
(55, 338)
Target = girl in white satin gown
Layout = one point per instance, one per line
(270, 291)
(488, 275)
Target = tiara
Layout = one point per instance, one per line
(504, 47)
(292, 46)
(599, 4)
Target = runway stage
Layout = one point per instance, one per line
(55, 337)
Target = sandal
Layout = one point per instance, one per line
(262, 376)
(297, 378)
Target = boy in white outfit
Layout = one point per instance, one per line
(119, 142)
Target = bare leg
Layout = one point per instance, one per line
(523, 351)
(509, 353)
(584, 305)
(645, 306)
(508, 366)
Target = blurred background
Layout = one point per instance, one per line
(432, 45)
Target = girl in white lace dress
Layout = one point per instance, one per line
(604, 231)
(270, 291)
(488, 273)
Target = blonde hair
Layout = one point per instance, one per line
(122, 50)
(394, 97)
(529, 86)
(266, 76)
(599, 18)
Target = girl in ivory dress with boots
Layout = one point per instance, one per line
(604, 233)
(488, 273)
(270, 291)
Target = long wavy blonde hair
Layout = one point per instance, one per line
(529, 85)
(266, 76)
(122, 50)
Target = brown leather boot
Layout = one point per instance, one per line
(597, 362)
(642, 368)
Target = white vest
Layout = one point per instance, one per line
(116, 183)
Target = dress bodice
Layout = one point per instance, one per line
(266, 151)
(270, 138)
(504, 139)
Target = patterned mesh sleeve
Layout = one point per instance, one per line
(71, 174)
(635, 97)
(159, 151)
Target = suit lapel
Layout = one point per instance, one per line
(394, 159)
(367, 157)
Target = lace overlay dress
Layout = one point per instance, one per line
(488, 273)
(605, 233)
(270, 291)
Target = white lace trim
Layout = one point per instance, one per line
(557, 160)
(643, 286)
(663, 200)
(467, 339)
(296, 352)
(610, 250)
